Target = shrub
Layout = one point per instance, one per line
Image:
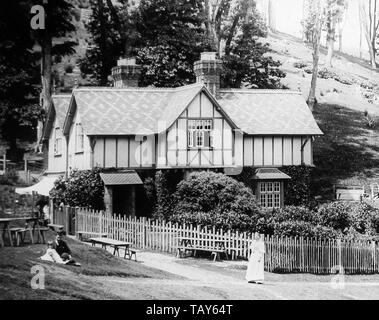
(303, 229)
(83, 188)
(298, 190)
(335, 215)
(10, 178)
(214, 192)
(300, 64)
(164, 200)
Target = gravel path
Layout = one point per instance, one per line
(204, 279)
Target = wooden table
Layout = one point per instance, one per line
(31, 225)
(116, 244)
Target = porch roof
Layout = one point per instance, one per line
(270, 174)
(121, 178)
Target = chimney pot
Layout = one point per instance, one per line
(208, 71)
(126, 74)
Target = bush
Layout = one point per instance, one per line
(83, 188)
(303, 229)
(298, 189)
(335, 215)
(164, 200)
(300, 64)
(10, 178)
(214, 192)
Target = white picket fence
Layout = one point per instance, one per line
(283, 254)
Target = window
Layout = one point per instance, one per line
(269, 195)
(57, 141)
(79, 138)
(199, 133)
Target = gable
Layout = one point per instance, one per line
(56, 114)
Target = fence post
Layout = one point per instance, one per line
(66, 222)
(339, 256)
(373, 247)
(100, 221)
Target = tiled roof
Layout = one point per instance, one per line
(122, 178)
(270, 174)
(111, 111)
(61, 104)
(131, 111)
(268, 112)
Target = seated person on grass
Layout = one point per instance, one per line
(61, 247)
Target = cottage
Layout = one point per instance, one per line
(131, 130)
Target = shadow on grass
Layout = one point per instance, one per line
(349, 150)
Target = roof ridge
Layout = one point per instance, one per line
(263, 91)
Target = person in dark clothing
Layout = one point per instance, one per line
(61, 246)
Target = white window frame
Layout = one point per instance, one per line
(79, 138)
(196, 133)
(57, 141)
(270, 194)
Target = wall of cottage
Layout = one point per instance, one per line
(56, 161)
(78, 159)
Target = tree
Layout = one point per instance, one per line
(334, 12)
(246, 61)
(19, 81)
(171, 38)
(58, 24)
(109, 39)
(368, 13)
(317, 12)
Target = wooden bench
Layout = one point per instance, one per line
(215, 252)
(116, 244)
(130, 252)
(55, 227)
(86, 233)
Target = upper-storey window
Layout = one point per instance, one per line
(57, 141)
(199, 133)
(79, 138)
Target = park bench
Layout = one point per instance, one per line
(81, 234)
(55, 227)
(194, 245)
(116, 244)
(131, 252)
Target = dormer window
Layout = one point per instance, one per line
(57, 141)
(199, 133)
(79, 138)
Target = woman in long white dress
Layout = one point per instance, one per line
(255, 267)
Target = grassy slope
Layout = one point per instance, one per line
(66, 282)
(348, 153)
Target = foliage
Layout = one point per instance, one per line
(298, 189)
(335, 215)
(214, 193)
(82, 189)
(163, 196)
(247, 62)
(10, 178)
(19, 110)
(171, 39)
(105, 45)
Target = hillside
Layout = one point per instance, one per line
(347, 112)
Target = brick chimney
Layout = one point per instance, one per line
(208, 71)
(126, 74)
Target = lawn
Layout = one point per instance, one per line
(67, 282)
(348, 153)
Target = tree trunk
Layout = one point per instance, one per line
(369, 31)
(330, 41)
(316, 57)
